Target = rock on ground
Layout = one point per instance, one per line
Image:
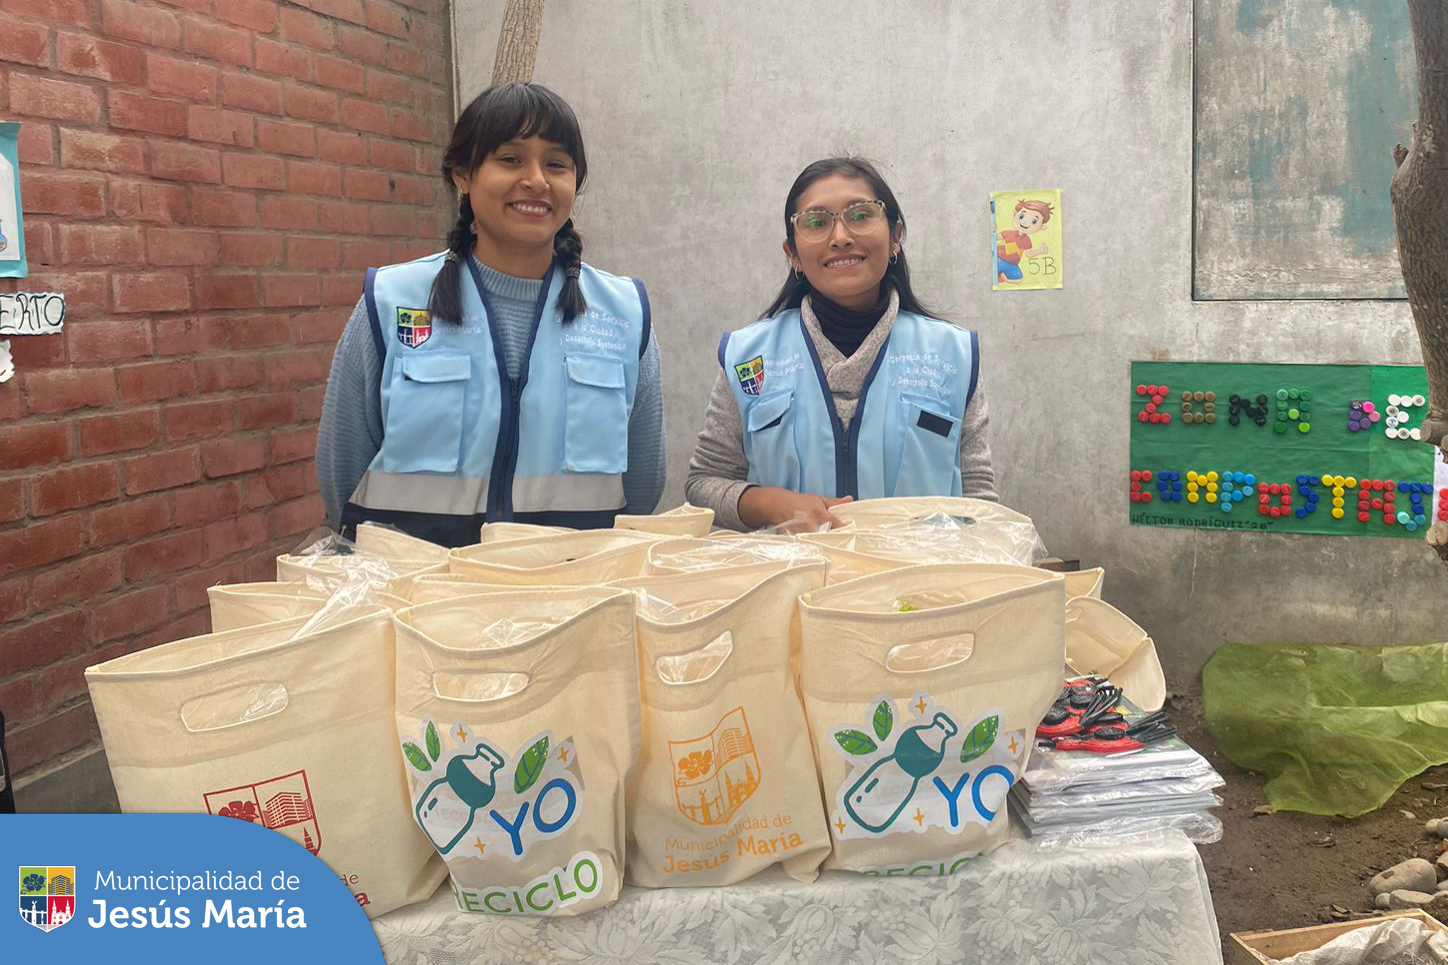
(1415, 874)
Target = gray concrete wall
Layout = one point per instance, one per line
(699, 114)
(1298, 105)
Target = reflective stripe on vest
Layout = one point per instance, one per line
(905, 437)
(463, 443)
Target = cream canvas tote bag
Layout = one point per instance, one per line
(330, 571)
(237, 605)
(503, 531)
(895, 511)
(726, 783)
(682, 520)
(1100, 639)
(518, 713)
(581, 558)
(693, 555)
(293, 733)
(374, 539)
(1085, 583)
(923, 687)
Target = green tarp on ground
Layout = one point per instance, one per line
(1337, 729)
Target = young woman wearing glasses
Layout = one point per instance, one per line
(847, 387)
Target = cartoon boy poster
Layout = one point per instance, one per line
(1026, 229)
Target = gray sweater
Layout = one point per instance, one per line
(719, 468)
(351, 432)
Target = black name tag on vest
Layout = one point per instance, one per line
(934, 423)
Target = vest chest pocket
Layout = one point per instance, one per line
(595, 429)
(425, 413)
(769, 441)
(929, 448)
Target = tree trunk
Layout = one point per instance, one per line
(1420, 212)
(518, 41)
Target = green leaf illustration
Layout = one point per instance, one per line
(530, 767)
(416, 757)
(854, 742)
(434, 745)
(884, 720)
(980, 738)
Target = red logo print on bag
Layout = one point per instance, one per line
(283, 804)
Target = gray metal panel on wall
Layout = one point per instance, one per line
(698, 115)
(1298, 106)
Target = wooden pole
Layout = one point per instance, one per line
(1420, 213)
(518, 41)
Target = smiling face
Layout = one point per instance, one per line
(843, 266)
(521, 195)
(1029, 221)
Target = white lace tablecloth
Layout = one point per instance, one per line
(1142, 901)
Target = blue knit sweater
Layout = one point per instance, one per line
(350, 435)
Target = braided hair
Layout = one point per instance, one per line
(502, 113)
(897, 272)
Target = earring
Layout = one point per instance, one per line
(797, 273)
(895, 257)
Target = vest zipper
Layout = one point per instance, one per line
(515, 395)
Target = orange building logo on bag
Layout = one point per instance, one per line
(283, 804)
(47, 895)
(715, 774)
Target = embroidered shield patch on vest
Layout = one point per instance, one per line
(414, 326)
(751, 375)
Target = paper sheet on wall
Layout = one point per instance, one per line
(12, 228)
(1027, 240)
(1282, 448)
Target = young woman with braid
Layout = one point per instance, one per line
(504, 378)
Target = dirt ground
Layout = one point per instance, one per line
(1286, 869)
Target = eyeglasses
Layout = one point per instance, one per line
(859, 218)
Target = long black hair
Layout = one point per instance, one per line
(502, 113)
(897, 272)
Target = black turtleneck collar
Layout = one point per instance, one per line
(847, 328)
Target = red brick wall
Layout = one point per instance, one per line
(206, 181)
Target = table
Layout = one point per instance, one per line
(1141, 900)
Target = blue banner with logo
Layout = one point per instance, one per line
(149, 888)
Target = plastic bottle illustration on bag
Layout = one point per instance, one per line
(539, 801)
(882, 792)
(448, 806)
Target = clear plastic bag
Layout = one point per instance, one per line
(697, 665)
(692, 555)
(1091, 795)
(584, 558)
(1199, 826)
(501, 617)
(1044, 815)
(985, 581)
(326, 561)
(331, 564)
(1051, 771)
(660, 610)
(939, 538)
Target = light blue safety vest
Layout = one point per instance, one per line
(904, 439)
(464, 443)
